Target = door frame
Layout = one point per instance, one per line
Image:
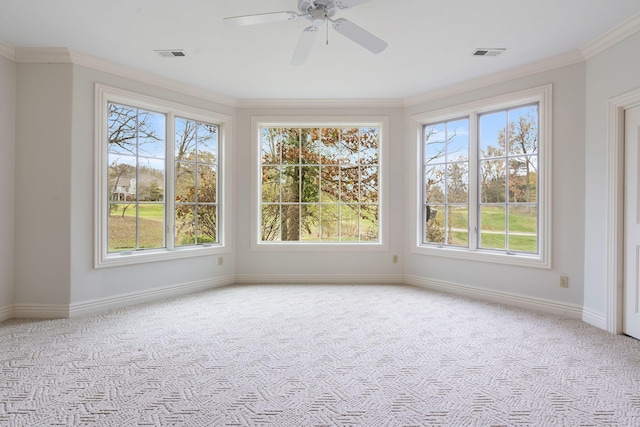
(615, 207)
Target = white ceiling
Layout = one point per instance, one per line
(430, 41)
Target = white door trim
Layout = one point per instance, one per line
(615, 207)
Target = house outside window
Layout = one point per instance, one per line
(483, 188)
(159, 179)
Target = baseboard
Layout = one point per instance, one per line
(596, 319)
(531, 303)
(329, 279)
(40, 311)
(6, 313)
(118, 301)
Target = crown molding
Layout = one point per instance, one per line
(321, 103)
(7, 51)
(60, 55)
(615, 35)
(558, 61)
(43, 55)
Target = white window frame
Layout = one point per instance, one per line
(102, 258)
(540, 95)
(258, 122)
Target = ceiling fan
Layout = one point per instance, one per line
(319, 12)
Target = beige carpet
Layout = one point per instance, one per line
(317, 355)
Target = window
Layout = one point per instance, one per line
(484, 180)
(319, 183)
(159, 179)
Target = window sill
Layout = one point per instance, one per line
(521, 260)
(156, 255)
(319, 247)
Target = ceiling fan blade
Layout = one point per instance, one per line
(345, 4)
(261, 18)
(359, 35)
(304, 46)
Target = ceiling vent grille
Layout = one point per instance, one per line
(171, 53)
(488, 51)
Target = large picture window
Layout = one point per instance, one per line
(484, 179)
(319, 184)
(159, 179)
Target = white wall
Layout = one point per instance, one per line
(115, 284)
(43, 191)
(7, 182)
(609, 74)
(567, 203)
(266, 266)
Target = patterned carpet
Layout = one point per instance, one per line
(353, 355)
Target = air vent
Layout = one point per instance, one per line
(170, 53)
(488, 52)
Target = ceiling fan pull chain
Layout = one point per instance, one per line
(327, 21)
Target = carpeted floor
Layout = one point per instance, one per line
(316, 355)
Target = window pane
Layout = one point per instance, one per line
(290, 179)
(330, 146)
(207, 188)
(434, 184)
(434, 143)
(270, 222)
(269, 146)
(369, 222)
(457, 182)
(523, 130)
(458, 140)
(150, 225)
(350, 145)
(207, 143)
(207, 224)
(290, 222)
(523, 179)
(150, 180)
(493, 181)
(349, 224)
(270, 184)
(310, 215)
(123, 131)
(185, 217)
(310, 146)
(435, 222)
(121, 226)
(151, 134)
(369, 184)
(492, 131)
(185, 182)
(330, 183)
(329, 222)
(523, 228)
(458, 226)
(185, 142)
(492, 227)
(310, 183)
(369, 143)
(349, 191)
(122, 178)
(291, 146)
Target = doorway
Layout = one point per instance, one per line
(631, 289)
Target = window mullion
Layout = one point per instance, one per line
(170, 175)
(474, 181)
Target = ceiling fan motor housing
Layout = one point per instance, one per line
(316, 7)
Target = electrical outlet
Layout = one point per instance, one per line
(395, 259)
(220, 260)
(564, 281)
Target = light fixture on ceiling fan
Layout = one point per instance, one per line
(319, 12)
